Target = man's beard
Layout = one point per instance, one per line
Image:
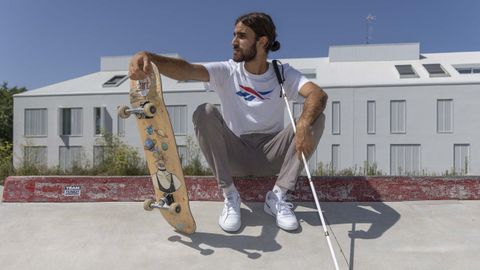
(245, 55)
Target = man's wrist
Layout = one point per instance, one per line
(302, 122)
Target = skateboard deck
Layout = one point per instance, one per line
(160, 148)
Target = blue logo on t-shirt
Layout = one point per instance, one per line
(250, 94)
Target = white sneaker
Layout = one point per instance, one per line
(282, 210)
(230, 219)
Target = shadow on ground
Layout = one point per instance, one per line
(380, 216)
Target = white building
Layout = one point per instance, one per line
(388, 104)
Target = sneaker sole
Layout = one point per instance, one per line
(230, 229)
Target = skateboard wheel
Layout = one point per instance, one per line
(147, 204)
(149, 109)
(122, 112)
(175, 208)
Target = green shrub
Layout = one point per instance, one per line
(194, 160)
(6, 159)
(119, 158)
(116, 158)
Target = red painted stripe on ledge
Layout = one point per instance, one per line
(139, 188)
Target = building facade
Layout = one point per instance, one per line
(389, 106)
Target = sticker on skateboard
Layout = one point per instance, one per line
(167, 181)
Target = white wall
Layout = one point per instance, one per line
(421, 125)
(88, 103)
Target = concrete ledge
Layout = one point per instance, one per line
(338, 189)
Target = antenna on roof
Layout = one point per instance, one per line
(369, 20)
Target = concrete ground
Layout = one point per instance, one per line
(399, 235)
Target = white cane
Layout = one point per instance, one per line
(312, 187)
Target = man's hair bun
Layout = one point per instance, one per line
(275, 46)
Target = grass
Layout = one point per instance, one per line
(118, 158)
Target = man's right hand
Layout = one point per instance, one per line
(140, 66)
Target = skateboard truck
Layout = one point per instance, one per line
(166, 202)
(146, 110)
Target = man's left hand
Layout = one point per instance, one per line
(304, 139)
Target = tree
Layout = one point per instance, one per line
(6, 111)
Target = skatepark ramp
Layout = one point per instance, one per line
(334, 189)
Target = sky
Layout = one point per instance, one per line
(48, 41)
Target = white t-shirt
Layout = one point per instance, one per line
(252, 103)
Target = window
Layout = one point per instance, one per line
(461, 158)
(464, 70)
(398, 116)
(371, 155)
(99, 125)
(405, 159)
(102, 121)
(436, 70)
(336, 117)
(99, 154)
(335, 157)
(309, 73)
(69, 157)
(297, 110)
(36, 122)
(71, 120)
(115, 81)
(312, 162)
(178, 117)
(444, 116)
(468, 69)
(120, 126)
(182, 153)
(406, 71)
(371, 117)
(35, 155)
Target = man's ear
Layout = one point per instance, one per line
(263, 42)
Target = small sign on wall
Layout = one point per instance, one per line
(72, 191)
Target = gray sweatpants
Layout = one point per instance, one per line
(252, 154)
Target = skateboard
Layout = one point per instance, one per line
(160, 148)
